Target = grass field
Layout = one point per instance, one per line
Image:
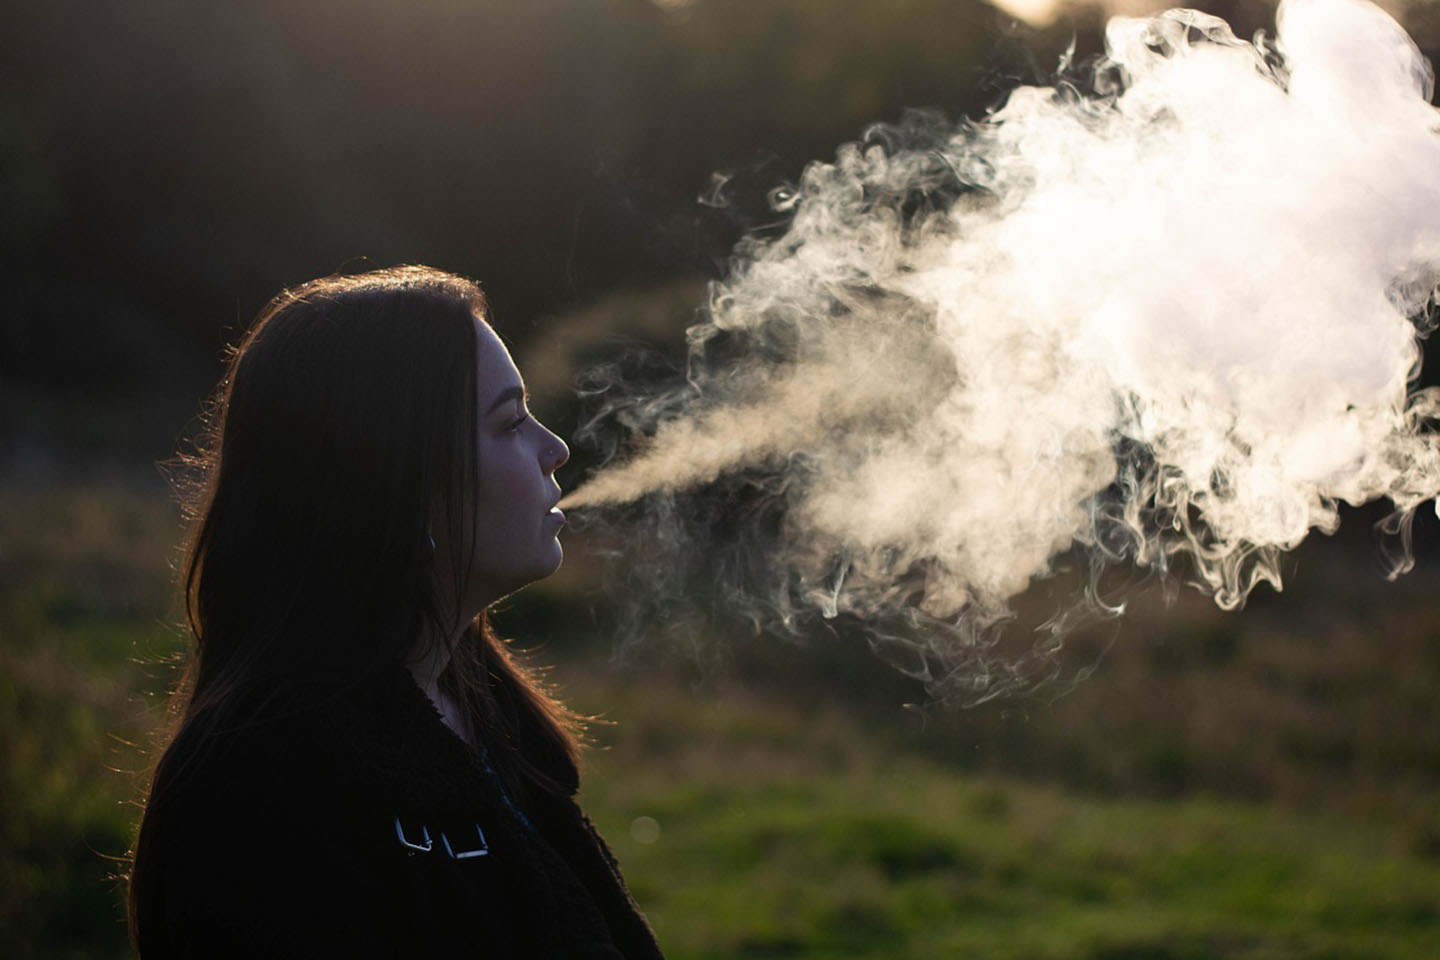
(1264, 785)
(776, 833)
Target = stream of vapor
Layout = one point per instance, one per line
(1174, 314)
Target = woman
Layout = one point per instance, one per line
(360, 767)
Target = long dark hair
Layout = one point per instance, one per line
(345, 423)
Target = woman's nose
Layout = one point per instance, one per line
(555, 452)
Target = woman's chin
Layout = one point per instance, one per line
(541, 571)
(559, 559)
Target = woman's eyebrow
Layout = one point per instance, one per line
(506, 395)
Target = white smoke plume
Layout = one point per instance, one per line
(1171, 319)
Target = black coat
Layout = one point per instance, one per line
(362, 827)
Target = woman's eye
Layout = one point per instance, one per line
(517, 423)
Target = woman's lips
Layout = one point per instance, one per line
(556, 514)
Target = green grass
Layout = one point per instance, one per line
(785, 836)
(1257, 786)
(82, 641)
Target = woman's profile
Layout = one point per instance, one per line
(359, 767)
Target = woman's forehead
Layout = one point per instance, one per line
(495, 371)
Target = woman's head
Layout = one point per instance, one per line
(370, 477)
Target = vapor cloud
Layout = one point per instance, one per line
(1171, 319)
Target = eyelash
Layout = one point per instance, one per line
(516, 425)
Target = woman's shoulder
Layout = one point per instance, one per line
(259, 872)
(379, 742)
(365, 815)
(265, 791)
(278, 829)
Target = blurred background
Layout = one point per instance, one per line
(1262, 784)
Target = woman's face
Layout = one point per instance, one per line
(515, 519)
